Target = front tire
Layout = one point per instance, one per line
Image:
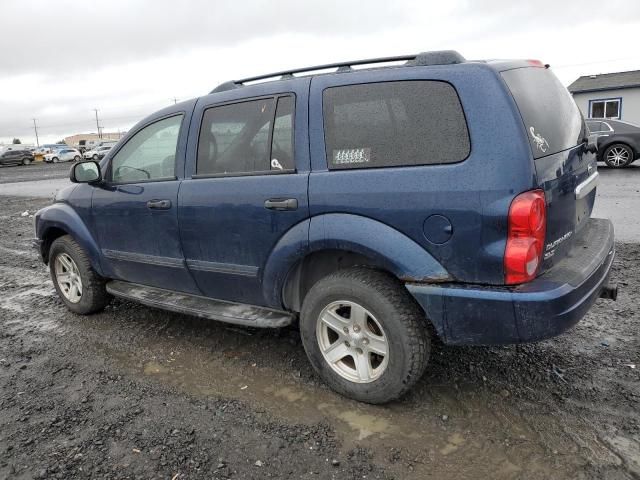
(95, 157)
(365, 335)
(76, 158)
(26, 161)
(78, 285)
(618, 155)
(55, 160)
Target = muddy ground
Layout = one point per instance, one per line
(134, 392)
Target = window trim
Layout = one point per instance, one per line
(605, 100)
(108, 178)
(275, 97)
(324, 129)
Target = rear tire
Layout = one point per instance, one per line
(76, 158)
(371, 313)
(69, 266)
(95, 157)
(618, 155)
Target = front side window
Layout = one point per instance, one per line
(609, 108)
(394, 123)
(150, 154)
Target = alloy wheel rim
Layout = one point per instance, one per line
(618, 156)
(68, 278)
(352, 341)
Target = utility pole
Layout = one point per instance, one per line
(35, 127)
(97, 123)
(175, 100)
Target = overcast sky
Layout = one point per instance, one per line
(60, 59)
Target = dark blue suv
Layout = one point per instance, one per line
(377, 206)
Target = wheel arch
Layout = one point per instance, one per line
(60, 219)
(617, 141)
(325, 243)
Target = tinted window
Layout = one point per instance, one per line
(282, 142)
(594, 126)
(235, 138)
(551, 117)
(150, 154)
(394, 123)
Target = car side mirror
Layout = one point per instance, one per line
(85, 172)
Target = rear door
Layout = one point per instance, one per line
(245, 185)
(565, 170)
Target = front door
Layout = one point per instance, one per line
(135, 210)
(246, 189)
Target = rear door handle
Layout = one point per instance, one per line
(281, 204)
(159, 204)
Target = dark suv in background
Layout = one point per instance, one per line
(16, 157)
(618, 142)
(377, 207)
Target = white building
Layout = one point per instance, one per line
(609, 95)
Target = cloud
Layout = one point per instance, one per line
(78, 35)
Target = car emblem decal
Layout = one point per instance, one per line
(540, 141)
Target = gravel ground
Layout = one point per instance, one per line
(134, 392)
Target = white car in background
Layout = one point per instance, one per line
(63, 155)
(97, 153)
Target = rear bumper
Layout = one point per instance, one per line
(543, 308)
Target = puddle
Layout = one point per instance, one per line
(289, 394)
(366, 425)
(154, 368)
(453, 444)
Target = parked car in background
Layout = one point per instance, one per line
(49, 148)
(373, 208)
(63, 155)
(97, 153)
(16, 157)
(618, 141)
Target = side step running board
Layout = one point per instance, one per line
(236, 313)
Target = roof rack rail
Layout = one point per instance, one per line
(441, 57)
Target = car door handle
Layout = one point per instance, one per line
(159, 204)
(281, 204)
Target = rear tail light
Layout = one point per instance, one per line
(525, 238)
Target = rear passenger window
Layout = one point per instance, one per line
(247, 137)
(394, 124)
(282, 142)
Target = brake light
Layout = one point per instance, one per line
(536, 63)
(525, 238)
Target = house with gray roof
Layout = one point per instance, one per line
(609, 95)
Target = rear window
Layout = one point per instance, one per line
(551, 117)
(394, 124)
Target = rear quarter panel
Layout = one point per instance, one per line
(474, 194)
